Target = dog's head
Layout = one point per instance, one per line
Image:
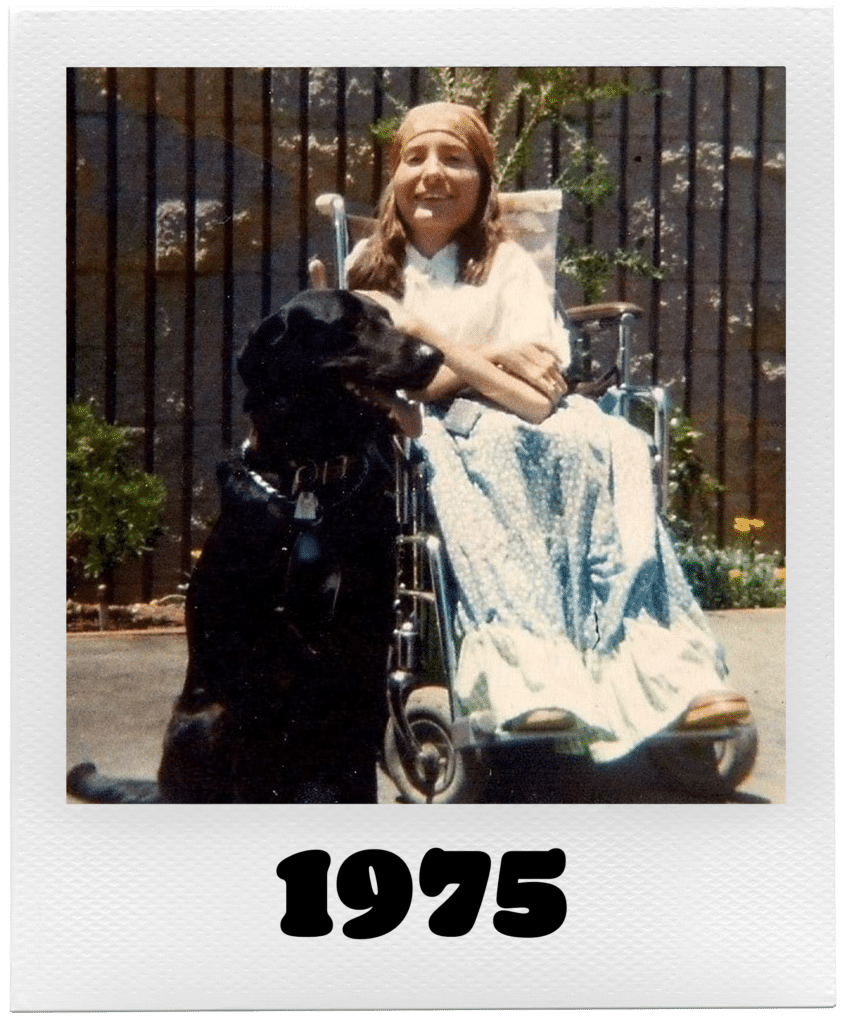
(327, 367)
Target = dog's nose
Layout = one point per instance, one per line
(426, 351)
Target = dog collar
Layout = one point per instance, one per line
(312, 473)
(308, 480)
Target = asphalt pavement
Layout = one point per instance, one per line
(121, 687)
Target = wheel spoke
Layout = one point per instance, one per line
(432, 762)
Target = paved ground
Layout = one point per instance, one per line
(120, 687)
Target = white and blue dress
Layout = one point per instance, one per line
(569, 592)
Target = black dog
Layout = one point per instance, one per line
(290, 606)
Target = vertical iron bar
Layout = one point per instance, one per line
(724, 304)
(341, 130)
(150, 281)
(757, 274)
(266, 237)
(414, 86)
(622, 195)
(555, 151)
(690, 269)
(377, 114)
(150, 298)
(589, 137)
(71, 240)
(655, 304)
(227, 255)
(111, 193)
(520, 121)
(189, 317)
(304, 172)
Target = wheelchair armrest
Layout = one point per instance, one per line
(317, 273)
(602, 314)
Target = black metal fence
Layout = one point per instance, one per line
(190, 216)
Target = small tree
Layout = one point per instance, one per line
(114, 509)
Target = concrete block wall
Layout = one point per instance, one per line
(748, 450)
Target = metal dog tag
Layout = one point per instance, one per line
(307, 506)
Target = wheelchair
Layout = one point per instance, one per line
(433, 751)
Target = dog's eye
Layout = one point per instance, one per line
(371, 324)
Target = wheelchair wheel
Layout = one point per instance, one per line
(436, 772)
(708, 767)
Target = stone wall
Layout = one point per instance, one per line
(292, 237)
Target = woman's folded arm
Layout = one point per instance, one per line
(464, 367)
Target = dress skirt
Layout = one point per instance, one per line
(569, 591)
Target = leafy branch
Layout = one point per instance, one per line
(517, 102)
(592, 268)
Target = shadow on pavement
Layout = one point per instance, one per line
(539, 776)
(120, 690)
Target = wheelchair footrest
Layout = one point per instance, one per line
(721, 734)
(480, 730)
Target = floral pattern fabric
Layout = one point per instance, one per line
(569, 592)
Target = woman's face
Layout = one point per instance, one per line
(437, 186)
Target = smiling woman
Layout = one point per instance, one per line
(440, 215)
(572, 606)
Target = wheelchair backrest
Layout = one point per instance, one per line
(530, 218)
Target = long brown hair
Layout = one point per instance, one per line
(380, 265)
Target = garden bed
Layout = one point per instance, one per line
(167, 613)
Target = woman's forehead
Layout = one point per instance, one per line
(438, 139)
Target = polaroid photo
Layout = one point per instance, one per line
(428, 513)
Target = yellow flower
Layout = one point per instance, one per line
(743, 525)
(735, 574)
(780, 574)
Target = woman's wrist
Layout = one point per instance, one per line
(472, 369)
(444, 385)
(464, 367)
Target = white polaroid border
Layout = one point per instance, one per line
(179, 907)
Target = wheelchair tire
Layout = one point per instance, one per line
(453, 778)
(706, 767)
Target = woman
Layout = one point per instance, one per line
(574, 609)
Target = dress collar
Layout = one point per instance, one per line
(441, 266)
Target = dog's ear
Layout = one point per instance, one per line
(256, 358)
(291, 350)
(276, 358)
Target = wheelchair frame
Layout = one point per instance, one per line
(430, 748)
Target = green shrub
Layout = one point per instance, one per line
(114, 508)
(691, 487)
(739, 576)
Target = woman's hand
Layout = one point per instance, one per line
(533, 362)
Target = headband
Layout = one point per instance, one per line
(462, 122)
